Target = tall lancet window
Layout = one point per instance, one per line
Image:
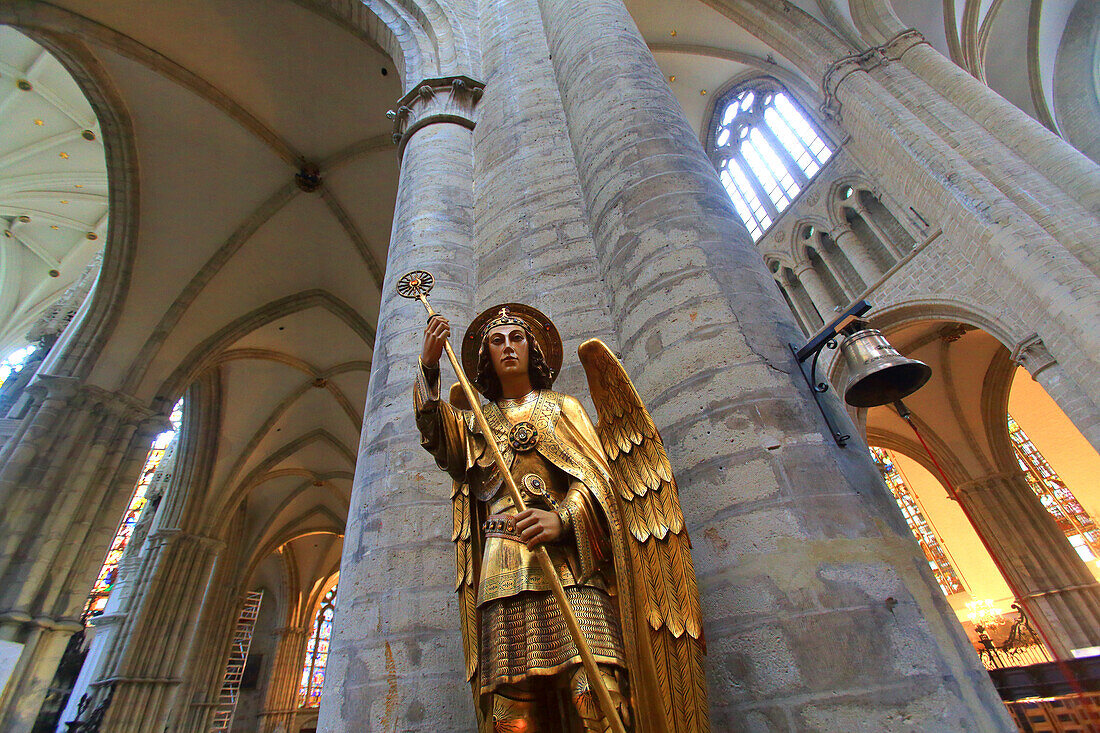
(108, 573)
(313, 671)
(766, 149)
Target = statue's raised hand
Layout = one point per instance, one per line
(435, 335)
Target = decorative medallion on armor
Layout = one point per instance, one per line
(523, 436)
(537, 487)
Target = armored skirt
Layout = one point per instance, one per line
(525, 636)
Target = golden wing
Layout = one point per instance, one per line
(660, 547)
(462, 509)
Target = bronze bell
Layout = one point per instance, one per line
(879, 374)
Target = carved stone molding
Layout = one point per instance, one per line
(446, 99)
(989, 482)
(174, 536)
(868, 60)
(1032, 355)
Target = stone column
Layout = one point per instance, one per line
(199, 682)
(397, 651)
(1024, 252)
(848, 242)
(1058, 162)
(815, 288)
(64, 484)
(1057, 590)
(281, 701)
(836, 269)
(884, 237)
(133, 573)
(820, 608)
(156, 636)
(534, 243)
(1032, 355)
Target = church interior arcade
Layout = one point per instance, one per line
(204, 206)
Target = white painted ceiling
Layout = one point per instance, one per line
(53, 184)
(227, 99)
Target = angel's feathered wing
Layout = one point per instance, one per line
(658, 540)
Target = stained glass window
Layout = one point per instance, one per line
(922, 529)
(108, 574)
(14, 362)
(313, 671)
(767, 150)
(1079, 527)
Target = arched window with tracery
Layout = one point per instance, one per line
(313, 670)
(767, 150)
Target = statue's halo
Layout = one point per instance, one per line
(538, 325)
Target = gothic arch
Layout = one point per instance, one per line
(802, 94)
(425, 38)
(806, 94)
(263, 472)
(204, 354)
(76, 350)
(948, 309)
(798, 243)
(294, 529)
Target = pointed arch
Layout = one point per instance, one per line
(203, 355)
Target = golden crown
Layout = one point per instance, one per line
(504, 317)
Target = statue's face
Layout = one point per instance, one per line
(508, 350)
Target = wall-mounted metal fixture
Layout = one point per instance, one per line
(879, 374)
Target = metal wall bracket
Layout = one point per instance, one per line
(823, 339)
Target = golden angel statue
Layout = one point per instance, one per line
(603, 502)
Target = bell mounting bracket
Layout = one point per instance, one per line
(825, 338)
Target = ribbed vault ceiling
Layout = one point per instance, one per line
(53, 184)
(240, 273)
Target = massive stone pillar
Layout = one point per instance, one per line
(1017, 246)
(66, 478)
(533, 240)
(1053, 585)
(397, 652)
(1065, 173)
(281, 700)
(820, 608)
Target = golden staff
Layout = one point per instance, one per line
(416, 285)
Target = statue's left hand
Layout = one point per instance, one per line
(537, 526)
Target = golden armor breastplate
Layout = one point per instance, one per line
(507, 566)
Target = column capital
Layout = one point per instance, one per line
(48, 386)
(1032, 354)
(73, 391)
(443, 99)
(989, 481)
(867, 60)
(171, 535)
